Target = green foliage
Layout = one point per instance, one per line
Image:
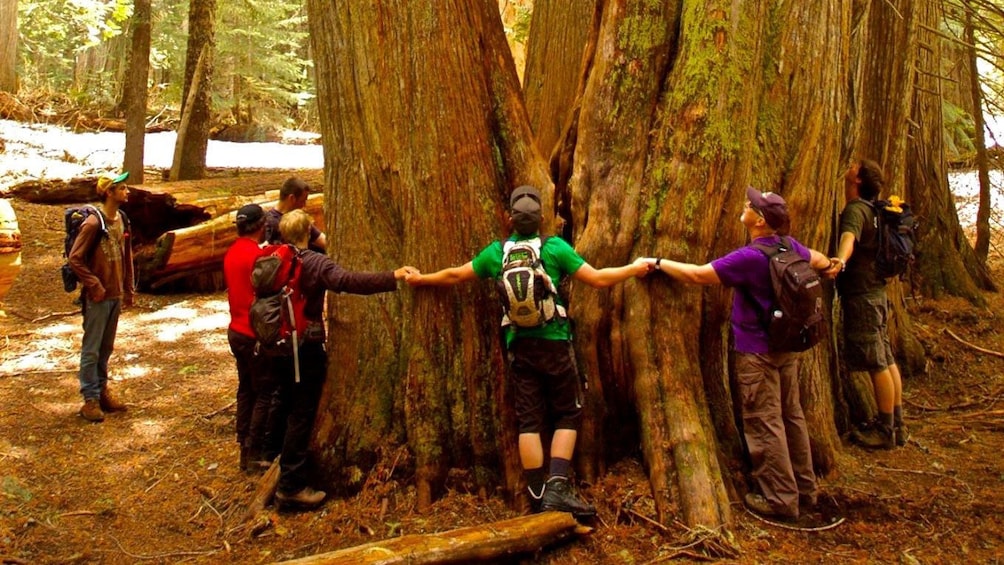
(262, 73)
(959, 133)
(53, 33)
(520, 29)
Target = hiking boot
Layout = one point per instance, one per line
(875, 435)
(109, 403)
(757, 504)
(558, 496)
(902, 434)
(307, 498)
(91, 411)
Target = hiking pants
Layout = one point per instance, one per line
(254, 397)
(775, 430)
(101, 321)
(300, 401)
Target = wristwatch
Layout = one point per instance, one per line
(657, 261)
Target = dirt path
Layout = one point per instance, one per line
(160, 484)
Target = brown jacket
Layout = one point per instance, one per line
(108, 273)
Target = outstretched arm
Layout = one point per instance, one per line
(602, 278)
(845, 248)
(686, 272)
(444, 277)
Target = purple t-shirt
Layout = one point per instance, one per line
(746, 269)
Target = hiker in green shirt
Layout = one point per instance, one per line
(545, 379)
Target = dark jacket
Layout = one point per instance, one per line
(320, 273)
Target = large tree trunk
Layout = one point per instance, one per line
(135, 95)
(554, 50)
(425, 134)
(982, 244)
(195, 138)
(8, 46)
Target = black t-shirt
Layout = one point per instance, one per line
(859, 277)
(271, 232)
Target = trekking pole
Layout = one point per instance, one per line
(296, 343)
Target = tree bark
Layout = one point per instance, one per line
(558, 35)
(8, 46)
(425, 134)
(201, 37)
(982, 245)
(135, 93)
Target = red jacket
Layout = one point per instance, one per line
(237, 266)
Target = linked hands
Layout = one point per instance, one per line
(404, 272)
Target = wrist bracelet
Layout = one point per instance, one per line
(657, 261)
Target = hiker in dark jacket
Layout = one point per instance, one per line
(299, 399)
(773, 422)
(292, 196)
(865, 307)
(103, 263)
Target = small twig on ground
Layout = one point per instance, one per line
(217, 411)
(47, 316)
(797, 528)
(648, 520)
(976, 347)
(77, 513)
(162, 555)
(931, 473)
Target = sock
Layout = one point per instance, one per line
(560, 467)
(897, 415)
(535, 481)
(886, 419)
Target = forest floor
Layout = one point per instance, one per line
(160, 483)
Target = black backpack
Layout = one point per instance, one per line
(73, 219)
(795, 320)
(896, 229)
(527, 292)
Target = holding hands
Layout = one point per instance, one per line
(404, 272)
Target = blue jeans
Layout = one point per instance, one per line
(101, 321)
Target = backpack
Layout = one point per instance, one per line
(795, 321)
(73, 220)
(526, 291)
(896, 228)
(277, 313)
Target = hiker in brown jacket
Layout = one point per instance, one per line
(102, 260)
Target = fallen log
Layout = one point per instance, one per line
(465, 545)
(197, 251)
(264, 492)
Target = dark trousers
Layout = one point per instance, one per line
(298, 401)
(255, 388)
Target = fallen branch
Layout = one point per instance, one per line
(217, 411)
(77, 513)
(162, 555)
(976, 347)
(465, 545)
(263, 494)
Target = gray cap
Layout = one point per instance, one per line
(524, 204)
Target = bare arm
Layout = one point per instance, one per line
(445, 277)
(844, 251)
(685, 272)
(602, 278)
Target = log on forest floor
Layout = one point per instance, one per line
(465, 545)
(197, 251)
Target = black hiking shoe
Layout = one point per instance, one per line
(875, 435)
(558, 496)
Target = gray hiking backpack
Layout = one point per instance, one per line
(528, 294)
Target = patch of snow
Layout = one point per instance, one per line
(42, 151)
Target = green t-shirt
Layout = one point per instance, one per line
(859, 277)
(560, 260)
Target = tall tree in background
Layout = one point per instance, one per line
(425, 134)
(135, 91)
(8, 45)
(193, 136)
(982, 244)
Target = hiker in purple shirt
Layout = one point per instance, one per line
(773, 423)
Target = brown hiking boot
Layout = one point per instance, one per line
(111, 404)
(91, 411)
(757, 504)
(307, 498)
(902, 434)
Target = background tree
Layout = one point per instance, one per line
(193, 134)
(8, 45)
(134, 96)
